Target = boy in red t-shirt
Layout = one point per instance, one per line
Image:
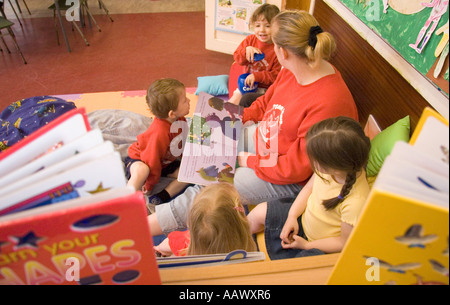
(158, 149)
(264, 71)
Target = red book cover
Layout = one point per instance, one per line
(80, 242)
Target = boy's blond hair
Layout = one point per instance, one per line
(163, 96)
(217, 222)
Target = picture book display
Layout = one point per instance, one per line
(210, 149)
(66, 215)
(102, 239)
(402, 235)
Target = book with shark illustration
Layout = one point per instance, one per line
(402, 235)
(210, 150)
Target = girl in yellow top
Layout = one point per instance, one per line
(325, 211)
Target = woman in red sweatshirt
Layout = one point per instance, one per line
(273, 160)
(307, 91)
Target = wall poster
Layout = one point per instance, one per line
(234, 15)
(416, 29)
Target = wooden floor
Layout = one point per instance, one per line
(128, 54)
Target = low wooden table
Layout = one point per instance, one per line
(314, 270)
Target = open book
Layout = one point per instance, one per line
(210, 149)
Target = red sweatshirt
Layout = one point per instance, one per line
(153, 148)
(265, 71)
(294, 109)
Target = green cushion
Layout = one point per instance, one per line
(383, 143)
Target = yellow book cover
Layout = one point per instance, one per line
(398, 241)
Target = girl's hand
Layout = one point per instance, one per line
(290, 229)
(297, 243)
(250, 53)
(163, 248)
(250, 80)
(145, 191)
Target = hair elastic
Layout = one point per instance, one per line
(340, 197)
(313, 32)
(239, 209)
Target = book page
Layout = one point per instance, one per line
(97, 152)
(72, 126)
(406, 179)
(210, 149)
(79, 145)
(84, 180)
(409, 153)
(434, 139)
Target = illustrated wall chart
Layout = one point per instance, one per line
(234, 15)
(417, 29)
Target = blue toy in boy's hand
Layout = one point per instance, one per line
(243, 88)
(258, 57)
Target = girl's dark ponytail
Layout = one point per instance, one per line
(330, 204)
(340, 144)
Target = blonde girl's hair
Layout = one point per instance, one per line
(217, 222)
(163, 95)
(294, 31)
(339, 144)
(265, 11)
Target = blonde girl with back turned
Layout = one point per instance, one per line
(324, 213)
(217, 224)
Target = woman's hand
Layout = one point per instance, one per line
(242, 158)
(250, 53)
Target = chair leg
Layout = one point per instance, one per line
(102, 5)
(15, 13)
(18, 6)
(81, 33)
(4, 42)
(16, 44)
(56, 27)
(26, 5)
(92, 17)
